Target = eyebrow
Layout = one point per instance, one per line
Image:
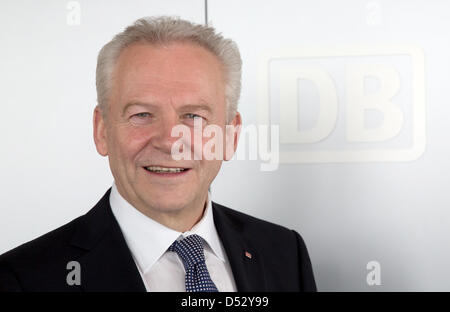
(183, 108)
(196, 107)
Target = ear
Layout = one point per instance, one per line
(100, 132)
(233, 131)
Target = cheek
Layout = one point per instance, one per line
(210, 168)
(126, 143)
(214, 143)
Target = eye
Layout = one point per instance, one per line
(140, 118)
(192, 119)
(142, 115)
(192, 116)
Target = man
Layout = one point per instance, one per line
(157, 229)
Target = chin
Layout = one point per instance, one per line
(168, 203)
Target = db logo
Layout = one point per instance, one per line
(345, 104)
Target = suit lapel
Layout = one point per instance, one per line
(248, 269)
(107, 265)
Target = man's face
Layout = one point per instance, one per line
(154, 89)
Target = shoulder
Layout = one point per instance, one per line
(43, 246)
(282, 250)
(252, 222)
(58, 243)
(41, 264)
(259, 230)
(36, 260)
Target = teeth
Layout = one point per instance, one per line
(164, 169)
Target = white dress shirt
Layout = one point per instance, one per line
(148, 241)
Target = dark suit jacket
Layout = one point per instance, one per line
(279, 259)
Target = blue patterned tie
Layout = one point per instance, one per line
(190, 250)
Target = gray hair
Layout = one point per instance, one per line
(163, 30)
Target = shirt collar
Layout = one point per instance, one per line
(148, 240)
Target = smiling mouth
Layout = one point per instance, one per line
(158, 169)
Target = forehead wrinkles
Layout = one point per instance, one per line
(174, 60)
(179, 92)
(139, 74)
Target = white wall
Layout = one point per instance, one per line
(51, 172)
(352, 201)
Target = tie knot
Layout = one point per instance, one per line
(189, 249)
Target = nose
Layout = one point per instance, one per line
(162, 138)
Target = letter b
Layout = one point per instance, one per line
(358, 102)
